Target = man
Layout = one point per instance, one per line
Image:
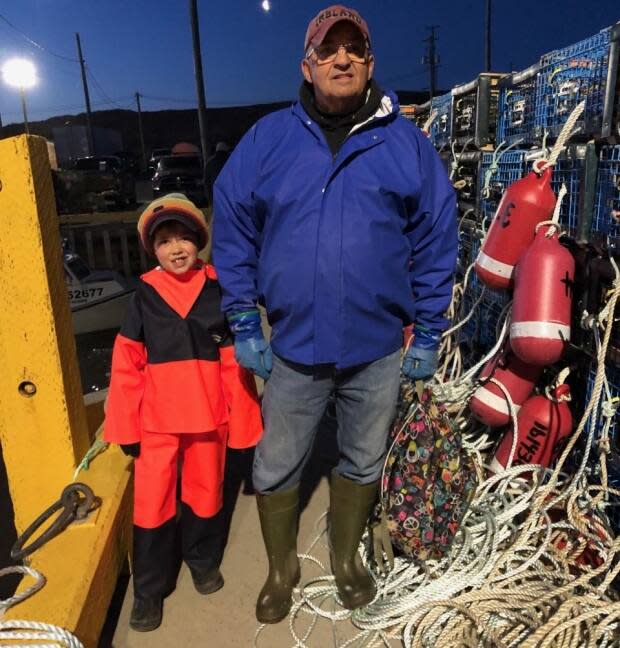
(338, 216)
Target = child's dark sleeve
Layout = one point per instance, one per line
(122, 421)
(245, 425)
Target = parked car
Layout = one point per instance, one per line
(156, 155)
(108, 179)
(130, 161)
(182, 173)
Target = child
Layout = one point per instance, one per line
(177, 391)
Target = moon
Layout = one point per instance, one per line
(265, 5)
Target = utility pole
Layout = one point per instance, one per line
(22, 94)
(141, 131)
(487, 36)
(432, 60)
(89, 123)
(200, 86)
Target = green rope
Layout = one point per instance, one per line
(97, 448)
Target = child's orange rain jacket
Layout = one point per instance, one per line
(189, 380)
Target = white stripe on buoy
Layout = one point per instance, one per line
(545, 330)
(495, 402)
(493, 265)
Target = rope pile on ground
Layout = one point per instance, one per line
(534, 560)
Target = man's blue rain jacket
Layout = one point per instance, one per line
(342, 251)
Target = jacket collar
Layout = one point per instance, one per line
(389, 106)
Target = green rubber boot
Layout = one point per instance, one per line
(350, 507)
(278, 521)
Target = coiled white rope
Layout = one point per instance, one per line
(520, 573)
(38, 577)
(40, 632)
(44, 635)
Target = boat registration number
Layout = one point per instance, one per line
(85, 293)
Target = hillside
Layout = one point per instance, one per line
(166, 127)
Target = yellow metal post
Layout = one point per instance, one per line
(43, 420)
(43, 427)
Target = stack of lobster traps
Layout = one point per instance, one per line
(491, 132)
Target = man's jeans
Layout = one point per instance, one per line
(295, 399)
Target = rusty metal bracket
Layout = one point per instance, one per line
(77, 500)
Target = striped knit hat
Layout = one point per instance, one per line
(172, 207)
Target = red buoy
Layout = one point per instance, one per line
(488, 404)
(543, 298)
(525, 203)
(544, 425)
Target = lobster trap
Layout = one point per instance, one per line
(585, 70)
(497, 171)
(606, 216)
(446, 159)
(465, 179)
(600, 276)
(516, 108)
(570, 170)
(492, 307)
(487, 310)
(469, 237)
(440, 131)
(474, 110)
(470, 330)
(485, 305)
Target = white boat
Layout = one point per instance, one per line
(98, 298)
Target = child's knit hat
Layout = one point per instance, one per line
(172, 207)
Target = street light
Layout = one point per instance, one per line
(20, 73)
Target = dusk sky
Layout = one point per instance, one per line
(252, 56)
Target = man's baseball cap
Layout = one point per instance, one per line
(327, 18)
(172, 207)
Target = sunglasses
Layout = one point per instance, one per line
(357, 51)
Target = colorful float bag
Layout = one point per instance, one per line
(429, 479)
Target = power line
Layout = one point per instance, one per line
(33, 42)
(102, 92)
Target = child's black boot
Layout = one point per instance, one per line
(207, 582)
(146, 614)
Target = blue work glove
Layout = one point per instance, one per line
(252, 351)
(422, 356)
